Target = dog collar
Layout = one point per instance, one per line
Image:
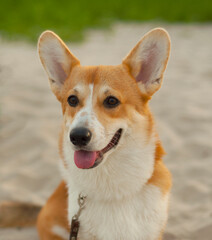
(75, 224)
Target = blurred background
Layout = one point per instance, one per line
(27, 19)
(103, 33)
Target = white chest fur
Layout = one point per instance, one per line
(119, 205)
(141, 217)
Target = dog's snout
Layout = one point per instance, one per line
(80, 136)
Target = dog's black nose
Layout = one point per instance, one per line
(80, 136)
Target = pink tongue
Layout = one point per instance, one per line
(84, 159)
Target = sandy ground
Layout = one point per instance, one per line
(30, 118)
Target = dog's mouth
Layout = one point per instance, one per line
(90, 159)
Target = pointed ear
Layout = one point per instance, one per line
(148, 59)
(57, 60)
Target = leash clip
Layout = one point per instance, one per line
(75, 224)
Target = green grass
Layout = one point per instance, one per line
(27, 19)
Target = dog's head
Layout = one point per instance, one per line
(105, 107)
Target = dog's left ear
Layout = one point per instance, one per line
(148, 59)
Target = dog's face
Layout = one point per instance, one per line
(105, 106)
(98, 111)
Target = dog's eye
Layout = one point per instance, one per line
(111, 102)
(73, 100)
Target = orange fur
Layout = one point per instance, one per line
(161, 176)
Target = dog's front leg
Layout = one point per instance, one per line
(52, 223)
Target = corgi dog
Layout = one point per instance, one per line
(109, 149)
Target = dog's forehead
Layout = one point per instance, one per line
(101, 77)
(91, 88)
(83, 75)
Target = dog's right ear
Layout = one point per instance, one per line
(57, 60)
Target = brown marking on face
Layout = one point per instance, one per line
(80, 76)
